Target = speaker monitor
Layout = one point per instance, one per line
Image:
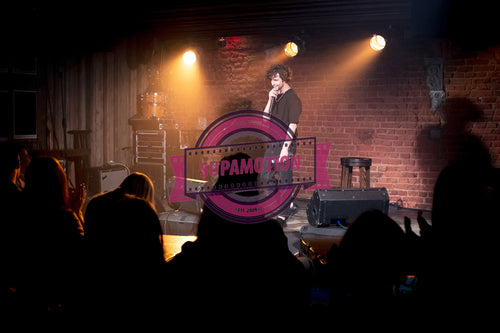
(341, 207)
(112, 178)
(106, 178)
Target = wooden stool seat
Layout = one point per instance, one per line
(364, 171)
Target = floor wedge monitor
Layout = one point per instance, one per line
(340, 207)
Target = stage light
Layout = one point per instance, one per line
(291, 49)
(377, 43)
(189, 57)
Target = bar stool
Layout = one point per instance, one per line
(364, 171)
(80, 154)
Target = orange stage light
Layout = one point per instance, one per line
(189, 57)
(291, 49)
(377, 43)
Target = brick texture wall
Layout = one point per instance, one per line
(367, 105)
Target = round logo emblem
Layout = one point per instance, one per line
(254, 140)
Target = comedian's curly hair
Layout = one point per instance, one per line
(284, 72)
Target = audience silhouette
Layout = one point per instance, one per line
(52, 246)
(125, 268)
(465, 210)
(9, 203)
(239, 270)
(101, 212)
(419, 251)
(139, 185)
(25, 161)
(370, 259)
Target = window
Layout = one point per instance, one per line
(25, 105)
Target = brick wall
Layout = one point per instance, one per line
(374, 106)
(476, 77)
(374, 111)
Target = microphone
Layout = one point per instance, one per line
(273, 99)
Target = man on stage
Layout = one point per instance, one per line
(284, 104)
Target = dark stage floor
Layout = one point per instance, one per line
(298, 227)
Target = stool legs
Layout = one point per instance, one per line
(346, 177)
(364, 177)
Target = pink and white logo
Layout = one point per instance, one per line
(250, 134)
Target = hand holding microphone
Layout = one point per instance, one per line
(272, 94)
(273, 99)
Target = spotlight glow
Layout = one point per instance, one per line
(377, 42)
(291, 49)
(189, 57)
